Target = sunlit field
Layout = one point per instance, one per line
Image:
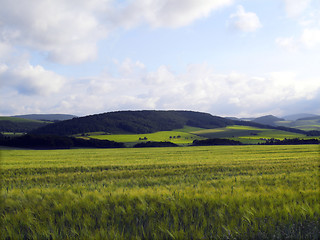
(178, 137)
(185, 136)
(247, 132)
(218, 192)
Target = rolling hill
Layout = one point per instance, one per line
(267, 120)
(19, 125)
(46, 117)
(145, 121)
(131, 127)
(295, 117)
(307, 123)
(123, 122)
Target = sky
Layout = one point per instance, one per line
(242, 58)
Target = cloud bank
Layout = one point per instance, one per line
(69, 32)
(198, 87)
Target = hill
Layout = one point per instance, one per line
(146, 121)
(13, 124)
(46, 117)
(295, 117)
(268, 120)
(307, 124)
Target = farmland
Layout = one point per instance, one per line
(219, 192)
(185, 136)
(246, 133)
(179, 136)
(19, 125)
(303, 124)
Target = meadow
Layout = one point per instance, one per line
(217, 192)
(181, 137)
(185, 136)
(306, 124)
(247, 134)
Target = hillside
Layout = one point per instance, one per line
(13, 124)
(46, 117)
(307, 124)
(267, 120)
(134, 122)
(295, 117)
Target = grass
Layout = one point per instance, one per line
(20, 120)
(178, 137)
(246, 134)
(220, 192)
(185, 136)
(306, 125)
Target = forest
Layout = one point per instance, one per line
(55, 142)
(148, 121)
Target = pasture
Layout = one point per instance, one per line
(218, 192)
(179, 136)
(185, 136)
(306, 124)
(246, 132)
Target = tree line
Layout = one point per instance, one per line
(55, 142)
(215, 141)
(294, 141)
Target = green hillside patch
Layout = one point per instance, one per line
(186, 135)
(14, 124)
(246, 134)
(16, 119)
(228, 132)
(177, 137)
(303, 124)
(310, 127)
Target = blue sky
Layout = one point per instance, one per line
(226, 57)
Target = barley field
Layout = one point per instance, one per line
(217, 192)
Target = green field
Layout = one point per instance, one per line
(218, 192)
(180, 136)
(246, 134)
(20, 120)
(306, 125)
(185, 136)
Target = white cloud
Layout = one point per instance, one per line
(295, 8)
(5, 49)
(311, 37)
(30, 80)
(289, 44)
(169, 13)
(128, 68)
(244, 21)
(199, 88)
(68, 31)
(311, 18)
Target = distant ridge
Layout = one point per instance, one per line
(46, 117)
(268, 120)
(146, 121)
(295, 117)
(19, 125)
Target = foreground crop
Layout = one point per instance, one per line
(242, 192)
